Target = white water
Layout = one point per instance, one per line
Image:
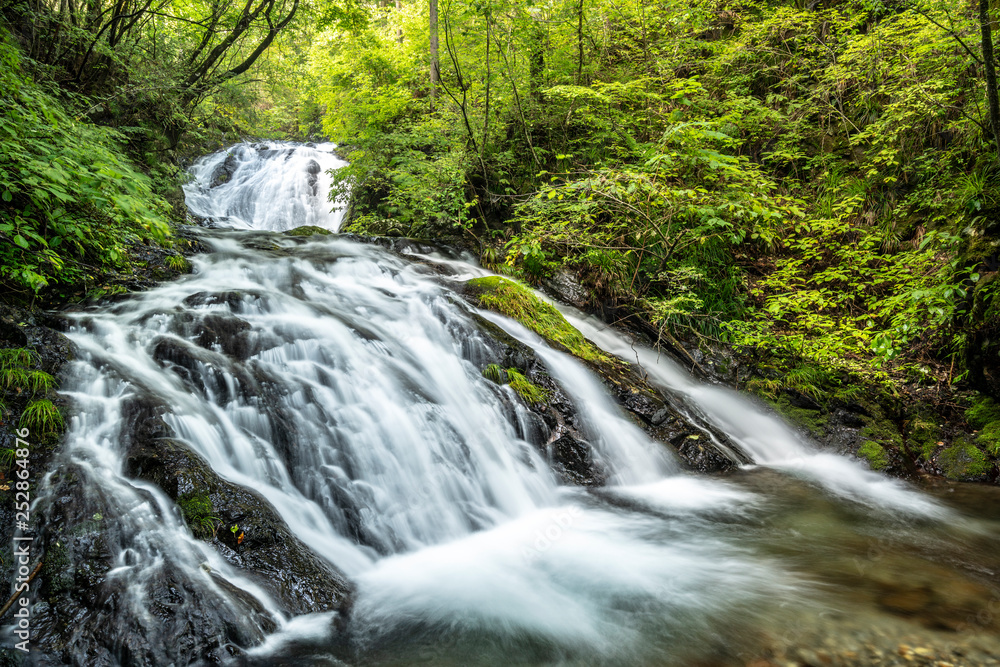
(275, 186)
(760, 434)
(358, 409)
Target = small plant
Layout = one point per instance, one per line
(495, 374)
(529, 391)
(6, 458)
(199, 513)
(41, 417)
(14, 357)
(39, 382)
(178, 263)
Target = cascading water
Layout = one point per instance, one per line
(274, 186)
(343, 384)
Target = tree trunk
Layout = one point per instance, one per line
(435, 63)
(579, 45)
(989, 65)
(399, 31)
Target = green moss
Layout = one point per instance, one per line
(508, 298)
(199, 513)
(989, 438)
(526, 389)
(56, 569)
(882, 431)
(812, 420)
(308, 230)
(963, 460)
(923, 436)
(875, 454)
(982, 412)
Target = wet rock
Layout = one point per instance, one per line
(573, 461)
(696, 451)
(83, 616)
(231, 299)
(230, 335)
(660, 416)
(566, 287)
(224, 172)
(268, 551)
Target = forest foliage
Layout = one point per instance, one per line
(816, 183)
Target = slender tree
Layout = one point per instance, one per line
(989, 65)
(435, 63)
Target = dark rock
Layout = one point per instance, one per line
(573, 461)
(566, 287)
(224, 172)
(231, 299)
(270, 554)
(11, 334)
(698, 454)
(660, 416)
(231, 335)
(82, 616)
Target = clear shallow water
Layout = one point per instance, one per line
(348, 392)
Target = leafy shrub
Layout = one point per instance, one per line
(70, 202)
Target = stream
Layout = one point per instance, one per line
(342, 383)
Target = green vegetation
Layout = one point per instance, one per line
(71, 201)
(874, 454)
(308, 230)
(530, 392)
(41, 417)
(24, 387)
(178, 263)
(517, 302)
(199, 513)
(525, 388)
(963, 460)
(495, 374)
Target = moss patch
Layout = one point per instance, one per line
(508, 298)
(923, 436)
(813, 420)
(308, 230)
(199, 513)
(963, 460)
(875, 454)
(989, 438)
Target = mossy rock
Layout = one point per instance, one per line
(199, 513)
(963, 460)
(518, 302)
(308, 230)
(874, 454)
(811, 419)
(923, 435)
(989, 438)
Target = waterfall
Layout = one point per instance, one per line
(343, 384)
(272, 186)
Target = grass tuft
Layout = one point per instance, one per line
(41, 417)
